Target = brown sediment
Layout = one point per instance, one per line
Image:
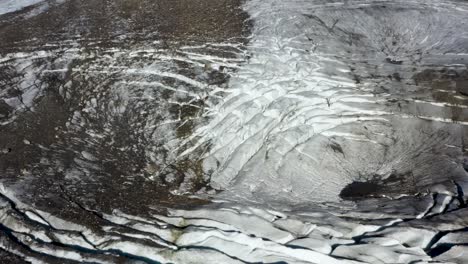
(124, 22)
(447, 86)
(43, 146)
(9, 258)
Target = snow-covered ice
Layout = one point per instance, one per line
(8, 6)
(308, 102)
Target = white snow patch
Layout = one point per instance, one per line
(8, 6)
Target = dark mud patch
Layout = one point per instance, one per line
(5, 110)
(447, 85)
(443, 81)
(462, 86)
(394, 185)
(9, 258)
(126, 22)
(359, 190)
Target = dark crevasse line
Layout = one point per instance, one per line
(460, 194)
(97, 251)
(216, 250)
(46, 227)
(9, 234)
(100, 216)
(434, 204)
(408, 220)
(444, 247)
(130, 229)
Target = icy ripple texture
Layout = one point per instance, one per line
(341, 92)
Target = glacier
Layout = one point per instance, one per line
(280, 131)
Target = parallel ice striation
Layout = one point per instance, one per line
(136, 103)
(342, 92)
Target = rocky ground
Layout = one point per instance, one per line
(94, 93)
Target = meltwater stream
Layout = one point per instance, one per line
(194, 131)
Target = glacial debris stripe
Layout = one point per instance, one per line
(338, 93)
